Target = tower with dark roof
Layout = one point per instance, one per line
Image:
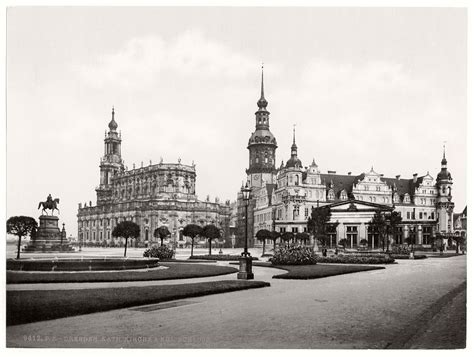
(262, 146)
(444, 205)
(294, 161)
(111, 163)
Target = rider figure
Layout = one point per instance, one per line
(49, 199)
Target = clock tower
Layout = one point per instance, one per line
(262, 145)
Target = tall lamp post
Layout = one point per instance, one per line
(245, 261)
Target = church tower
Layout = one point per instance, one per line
(444, 206)
(111, 163)
(262, 145)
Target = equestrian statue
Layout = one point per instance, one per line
(49, 204)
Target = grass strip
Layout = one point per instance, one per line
(305, 272)
(31, 306)
(174, 271)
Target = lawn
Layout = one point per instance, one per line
(304, 272)
(31, 306)
(175, 271)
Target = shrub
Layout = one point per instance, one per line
(161, 252)
(407, 256)
(400, 249)
(357, 259)
(293, 255)
(220, 257)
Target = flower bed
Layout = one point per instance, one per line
(357, 259)
(294, 255)
(163, 253)
(225, 257)
(91, 264)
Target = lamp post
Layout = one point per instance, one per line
(245, 261)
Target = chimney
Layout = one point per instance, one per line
(331, 172)
(397, 177)
(349, 173)
(415, 176)
(381, 175)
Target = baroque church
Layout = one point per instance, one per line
(283, 198)
(156, 195)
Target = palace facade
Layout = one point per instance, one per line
(283, 198)
(156, 195)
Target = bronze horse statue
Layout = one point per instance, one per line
(49, 204)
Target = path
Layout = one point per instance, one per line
(371, 309)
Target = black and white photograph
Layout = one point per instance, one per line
(237, 176)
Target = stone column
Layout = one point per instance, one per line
(420, 234)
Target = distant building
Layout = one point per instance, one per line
(460, 223)
(156, 195)
(283, 198)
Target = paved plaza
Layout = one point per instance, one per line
(412, 304)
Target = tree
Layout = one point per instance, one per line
(303, 237)
(21, 226)
(274, 237)
(379, 226)
(126, 229)
(318, 223)
(343, 242)
(393, 219)
(363, 242)
(192, 231)
(211, 232)
(287, 237)
(411, 240)
(263, 235)
(161, 233)
(459, 241)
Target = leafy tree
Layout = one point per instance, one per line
(287, 237)
(379, 226)
(21, 226)
(411, 240)
(318, 223)
(303, 237)
(262, 235)
(211, 232)
(344, 242)
(459, 241)
(274, 237)
(161, 233)
(393, 220)
(126, 229)
(192, 231)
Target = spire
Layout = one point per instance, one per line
(444, 162)
(262, 102)
(113, 124)
(294, 147)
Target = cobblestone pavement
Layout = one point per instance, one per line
(374, 309)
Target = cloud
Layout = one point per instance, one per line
(141, 61)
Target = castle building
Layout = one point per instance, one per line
(283, 198)
(156, 195)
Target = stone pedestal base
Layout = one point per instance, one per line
(245, 268)
(48, 237)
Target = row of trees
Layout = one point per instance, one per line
(128, 229)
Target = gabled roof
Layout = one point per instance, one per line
(364, 203)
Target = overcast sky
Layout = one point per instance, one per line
(365, 87)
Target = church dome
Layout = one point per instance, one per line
(294, 162)
(262, 136)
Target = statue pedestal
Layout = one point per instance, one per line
(48, 237)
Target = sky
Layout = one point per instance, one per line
(381, 87)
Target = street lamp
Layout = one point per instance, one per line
(245, 261)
